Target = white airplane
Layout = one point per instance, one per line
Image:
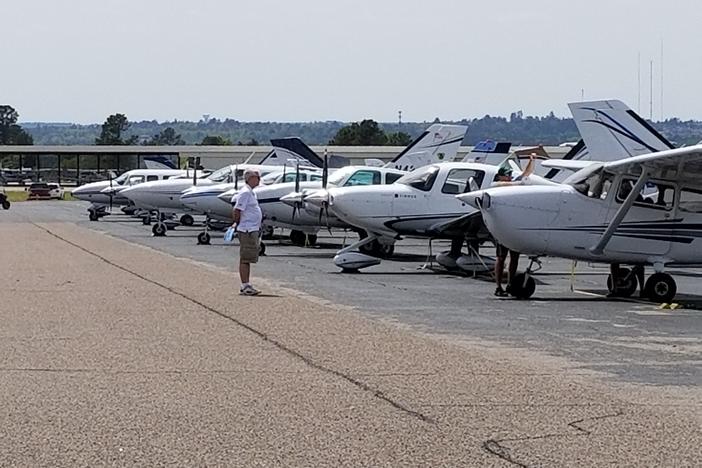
(104, 193)
(420, 205)
(283, 204)
(164, 196)
(603, 213)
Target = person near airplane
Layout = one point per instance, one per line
(247, 222)
(504, 174)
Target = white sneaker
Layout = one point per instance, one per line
(249, 291)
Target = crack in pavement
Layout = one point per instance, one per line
(496, 447)
(278, 344)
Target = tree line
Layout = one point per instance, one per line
(118, 130)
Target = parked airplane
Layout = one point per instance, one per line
(104, 194)
(164, 196)
(416, 206)
(283, 204)
(605, 213)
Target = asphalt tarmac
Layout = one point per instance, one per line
(627, 340)
(118, 348)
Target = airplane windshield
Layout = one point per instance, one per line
(339, 176)
(422, 178)
(220, 175)
(121, 179)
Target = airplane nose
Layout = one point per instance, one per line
(292, 199)
(318, 198)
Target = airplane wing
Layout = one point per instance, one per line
(468, 225)
(682, 164)
(569, 164)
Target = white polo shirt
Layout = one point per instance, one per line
(251, 215)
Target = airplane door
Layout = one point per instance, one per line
(647, 227)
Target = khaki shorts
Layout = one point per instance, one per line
(248, 247)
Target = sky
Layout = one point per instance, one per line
(317, 60)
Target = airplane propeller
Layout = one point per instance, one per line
(296, 204)
(325, 204)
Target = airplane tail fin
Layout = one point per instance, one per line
(285, 149)
(489, 152)
(438, 143)
(612, 131)
(158, 162)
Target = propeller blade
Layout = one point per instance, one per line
(325, 170)
(297, 178)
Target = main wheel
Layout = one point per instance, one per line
(203, 238)
(5, 205)
(268, 232)
(159, 229)
(297, 237)
(187, 220)
(378, 249)
(92, 215)
(261, 249)
(311, 239)
(626, 286)
(660, 287)
(522, 286)
(146, 220)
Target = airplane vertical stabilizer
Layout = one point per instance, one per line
(438, 143)
(612, 131)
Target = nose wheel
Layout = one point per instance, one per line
(523, 286)
(159, 229)
(660, 287)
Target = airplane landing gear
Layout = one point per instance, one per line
(92, 215)
(203, 238)
(301, 239)
(159, 229)
(660, 287)
(187, 220)
(523, 286)
(626, 284)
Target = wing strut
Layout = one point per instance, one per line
(621, 213)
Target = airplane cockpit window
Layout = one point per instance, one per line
(363, 177)
(220, 175)
(690, 200)
(457, 180)
(121, 179)
(137, 179)
(391, 177)
(422, 178)
(654, 194)
(149, 178)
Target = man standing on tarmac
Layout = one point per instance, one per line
(247, 222)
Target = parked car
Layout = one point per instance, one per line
(45, 190)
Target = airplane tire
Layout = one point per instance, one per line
(159, 229)
(660, 287)
(203, 238)
(261, 249)
(350, 270)
(377, 249)
(267, 232)
(5, 205)
(311, 239)
(297, 237)
(92, 215)
(522, 286)
(628, 285)
(146, 220)
(187, 220)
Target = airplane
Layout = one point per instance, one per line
(164, 196)
(283, 205)
(103, 194)
(603, 214)
(420, 205)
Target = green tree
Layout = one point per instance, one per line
(113, 131)
(215, 140)
(364, 133)
(10, 132)
(399, 139)
(166, 137)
